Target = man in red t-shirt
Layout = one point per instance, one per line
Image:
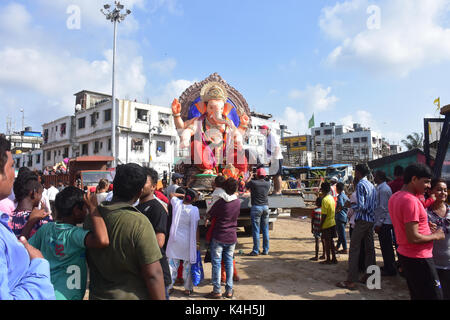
(414, 236)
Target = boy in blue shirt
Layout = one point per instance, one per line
(64, 244)
(341, 218)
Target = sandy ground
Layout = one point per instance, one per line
(287, 273)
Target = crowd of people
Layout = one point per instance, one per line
(138, 239)
(411, 217)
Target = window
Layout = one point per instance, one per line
(296, 144)
(109, 144)
(49, 155)
(141, 115)
(30, 161)
(355, 140)
(66, 153)
(94, 118)
(317, 133)
(161, 146)
(329, 143)
(38, 158)
(346, 141)
(318, 143)
(45, 135)
(364, 151)
(59, 153)
(107, 115)
(63, 129)
(54, 155)
(374, 140)
(339, 131)
(96, 146)
(84, 149)
(82, 123)
(164, 118)
(364, 139)
(137, 144)
(328, 132)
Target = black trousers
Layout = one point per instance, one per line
(422, 278)
(362, 254)
(387, 248)
(444, 277)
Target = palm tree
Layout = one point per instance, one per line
(413, 141)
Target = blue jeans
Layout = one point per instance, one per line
(219, 250)
(340, 227)
(260, 218)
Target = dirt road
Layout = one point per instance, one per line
(287, 273)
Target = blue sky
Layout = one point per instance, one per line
(289, 58)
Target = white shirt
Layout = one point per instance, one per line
(101, 197)
(182, 239)
(273, 144)
(51, 193)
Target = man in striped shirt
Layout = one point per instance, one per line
(364, 208)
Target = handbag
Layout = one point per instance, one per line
(197, 270)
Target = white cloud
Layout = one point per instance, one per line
(295, 121)
(91, 15)
(14, 18)
(315, 98)
(164, 67)
(165, 95)
(173, 6)
(411, 35)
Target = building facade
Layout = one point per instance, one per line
(145, 134)
(32, 160)
(339, 143)
(299, 150)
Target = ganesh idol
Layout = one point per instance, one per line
(213, 132)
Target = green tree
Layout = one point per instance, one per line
(413, 141)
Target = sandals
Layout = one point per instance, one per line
(345, 285)
(188, 292)
(229, 294)
(213, 295)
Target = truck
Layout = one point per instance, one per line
(276, 203)
(83, 172)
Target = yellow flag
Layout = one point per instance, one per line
(438, 103)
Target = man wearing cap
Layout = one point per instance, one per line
(273, 150)
(259, 212)
(177, 181)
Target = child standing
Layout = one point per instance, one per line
(63, 244)
(315, 229)
(27, 218)
(184, 238)
(328, 223)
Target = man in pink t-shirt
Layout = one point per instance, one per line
(414, 236)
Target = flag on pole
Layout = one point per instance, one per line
(437, 102)
(311, 122)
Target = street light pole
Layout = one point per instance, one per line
(114, 16)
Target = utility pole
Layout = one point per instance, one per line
(114, 16)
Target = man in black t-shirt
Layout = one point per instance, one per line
(259, 190)
(157, 215)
